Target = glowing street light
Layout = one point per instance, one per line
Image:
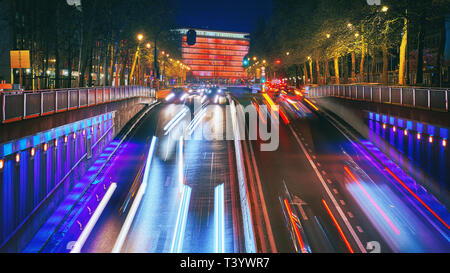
(287, 53)
(148, 45)
(328, 35)
(384, 8)
(140, 37)
(255, 58)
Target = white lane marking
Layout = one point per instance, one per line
(263, 201)
(335, 203)
(90, 225)
(250, 244)
(300, 203)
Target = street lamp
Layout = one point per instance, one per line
(287, 53)
(328, 35)
(255, 58)
(384, 8)
(140, 37)
(148, 45)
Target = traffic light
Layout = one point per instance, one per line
(245, 61)
(191, 37)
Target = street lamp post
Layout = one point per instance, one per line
(140, 37)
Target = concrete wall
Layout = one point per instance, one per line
(125, 109)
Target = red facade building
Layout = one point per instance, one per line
(216, 56)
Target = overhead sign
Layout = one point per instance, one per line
(20, 59)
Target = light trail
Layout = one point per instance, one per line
(417, 197)
(174, 121)
(219, 216)
(372, 201)
(294, 225)
(338, 227)
(91, 224)
(180, 226)
(310, 103)
(180, 161)
(137, 201)
(196, 121)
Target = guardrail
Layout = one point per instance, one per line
(417, 97)
(19, 105)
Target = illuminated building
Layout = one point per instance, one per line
(216, 56)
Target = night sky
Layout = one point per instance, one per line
(231, 15)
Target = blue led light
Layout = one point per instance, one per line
(392, 120)
(419, 127)
(409, 125)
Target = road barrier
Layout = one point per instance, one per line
(19, 105)
(416, 97)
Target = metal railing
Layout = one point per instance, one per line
(416, 97)
(19, 105)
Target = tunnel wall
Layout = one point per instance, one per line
(356, 114)
(47, 156)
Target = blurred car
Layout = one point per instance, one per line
(215, 95)
(177, 95)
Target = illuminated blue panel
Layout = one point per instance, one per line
(419, 127)
(430, 130)
(36, 140)
(7, 149)
(46, 136)
(23, 144)
(384, 118)
(409, 125)
(443, 132)
(377, 117)
(370, 115)
(392, 120)
(401, 123)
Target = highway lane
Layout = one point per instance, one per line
(126, 171)
(183, 191)
(365, 208)
(377, 199)
(289, 166)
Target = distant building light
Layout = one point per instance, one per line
(430, 139)
(17, 157)
(32, 152)
(2, 164)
